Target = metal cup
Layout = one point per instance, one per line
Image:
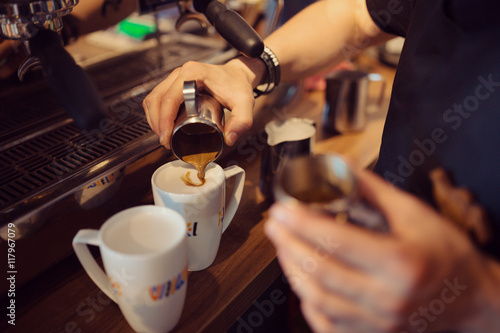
(199, 127)
(346, 100)
(284, 139)
(325, 183)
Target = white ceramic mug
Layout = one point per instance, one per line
(204, 207)
(144, 252)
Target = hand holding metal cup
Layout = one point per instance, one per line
(325, 183)
(198, 136)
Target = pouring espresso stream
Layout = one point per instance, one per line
(200, 162)
(198, 137)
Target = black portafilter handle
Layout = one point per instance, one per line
(232, 27)
(69, 82)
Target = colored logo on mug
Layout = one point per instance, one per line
(221, 218)
(168, 288)
(115, 286)
(192, 229)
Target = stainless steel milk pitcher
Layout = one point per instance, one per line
(327, 184)
(347, 100)
(199, 127)
(286, 138)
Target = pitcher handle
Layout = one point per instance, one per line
(190, 92)
(236, 194)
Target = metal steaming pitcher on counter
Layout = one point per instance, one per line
(285, 139)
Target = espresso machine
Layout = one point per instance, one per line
(38, 22)
(75, 146)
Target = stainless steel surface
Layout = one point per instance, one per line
(26, 66)
(55, 178)
(347, 100)
(199, 127)
(23, 19)
(326, 183)
(325, 174)
(186, 13)
(274, 20)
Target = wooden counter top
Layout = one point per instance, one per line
(64, 299)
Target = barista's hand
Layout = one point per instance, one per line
(231, 84)
(11, 57)
(425, 275)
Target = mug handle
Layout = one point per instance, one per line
(235, 198)
(80, 241)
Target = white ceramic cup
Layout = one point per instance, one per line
(204, 208)
(144, 252)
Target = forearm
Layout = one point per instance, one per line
(322, 35)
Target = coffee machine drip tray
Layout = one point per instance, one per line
(56, 178)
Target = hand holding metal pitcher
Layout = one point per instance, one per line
(327, 184)
(198, 136)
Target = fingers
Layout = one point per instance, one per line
(398, 207)
(321, 322)
(229, 87)
(170, 103)
(348, 297)
(161, 107)
(315, 274)
(301, 260)
(318, 322)
(240, 121)
(163, 102)
(376, 190)
(350, 244)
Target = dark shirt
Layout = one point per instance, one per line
(445, 104)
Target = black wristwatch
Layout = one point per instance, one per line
(273, 73)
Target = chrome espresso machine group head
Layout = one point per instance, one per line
(21, 19)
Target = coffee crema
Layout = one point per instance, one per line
(200, 162)
(189, 182)
(198, 145)
(173, 178)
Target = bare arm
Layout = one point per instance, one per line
(311, 41)
(323, 34)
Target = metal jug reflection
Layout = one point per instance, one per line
(198, 136)
(327, 184)
(347, 100)
(285, 139)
